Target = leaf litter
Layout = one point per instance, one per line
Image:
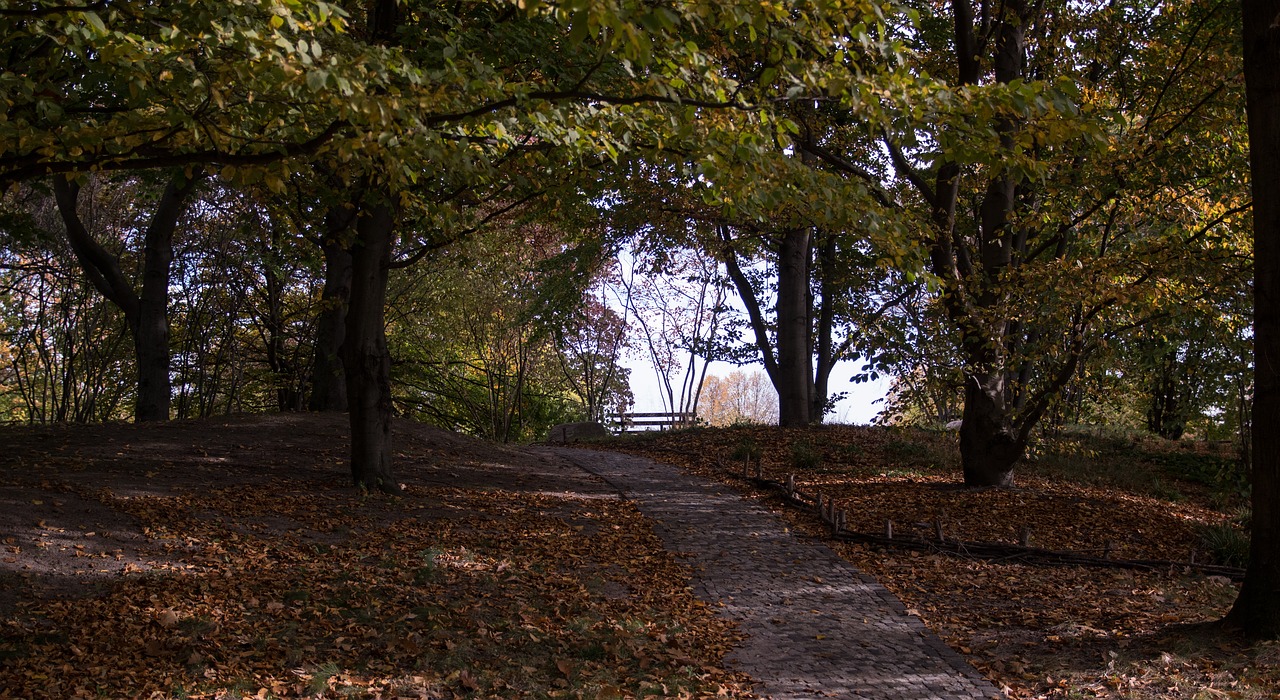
(265, 575)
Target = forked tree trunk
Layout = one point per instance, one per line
(145, 312)
(1257, 609)
(364, 351)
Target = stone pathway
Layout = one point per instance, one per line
(817, 626)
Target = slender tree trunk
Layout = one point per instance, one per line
(152, 338)
(795, 351)
(364, 351)
(826, 349)
(1257, 609)
(328, 383)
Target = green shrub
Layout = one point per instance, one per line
(804, 455)
(746, 449)
(1227, 543)
(905, 450)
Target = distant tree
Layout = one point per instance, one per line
(591, 346)
(62, 346)
(676, 299)
(739, 397)
(470, 350)
(145, 304)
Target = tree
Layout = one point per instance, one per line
(1257, 609)
(739, 397)
(676, 299)
(61, 344)
(828, 296)
(471, 350)
(1066, 190)
(590, 348)
(146, 309)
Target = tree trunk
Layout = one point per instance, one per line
(826, 350)
(364, 351)
(328, 383)
(988, 446)
(152, 338)
(1257, 609)
(795, 349)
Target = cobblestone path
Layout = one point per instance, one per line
(817, 627)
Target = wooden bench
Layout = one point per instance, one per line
(640, 422)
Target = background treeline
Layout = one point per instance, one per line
(479, 345)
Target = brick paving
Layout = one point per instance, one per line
(817, 627)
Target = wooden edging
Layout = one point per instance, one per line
(826, 510)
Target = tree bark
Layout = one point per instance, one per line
(1257, 609)
(795, 348)
(328, 382)
(364, 352)
(989, 447)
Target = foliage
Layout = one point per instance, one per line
(738, 398)
(470, 352)
(136, 85)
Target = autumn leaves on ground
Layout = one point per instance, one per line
(216, 560)
(1037, 631)
(230, 559)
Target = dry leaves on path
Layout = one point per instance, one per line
(1038, 631)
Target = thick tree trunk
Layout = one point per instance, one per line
(328, 382)
(364, 351)
(795, 348)
(989, 447)
(1257, 609)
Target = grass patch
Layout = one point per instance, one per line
(805, 456)
(1226, 543)
(745, 449)
(319, 680)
